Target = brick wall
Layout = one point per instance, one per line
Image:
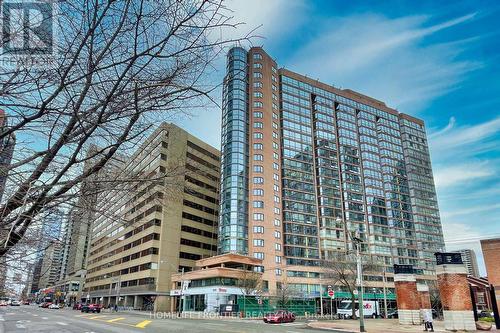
(491, 254)
(454, 292)
(407, 295)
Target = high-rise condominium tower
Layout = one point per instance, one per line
(304, 164)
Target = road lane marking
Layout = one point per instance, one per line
(61, 323)
(215, 324)
(35, 315)
(83, 315)
(20, 326)
(96, 317)
(143, 324)
(114, 319)
(45, 318)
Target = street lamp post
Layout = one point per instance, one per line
(357, 243)
(385, 294)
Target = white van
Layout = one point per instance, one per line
(370, 309)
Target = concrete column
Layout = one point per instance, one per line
(407, 298)
(138, 302)
(162, 304)
(455, 295)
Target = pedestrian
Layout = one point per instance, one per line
(116, 307)
(428, 321)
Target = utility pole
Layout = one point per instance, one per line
(385, 294)
(357, 243)
(181, 303)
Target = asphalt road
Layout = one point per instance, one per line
(30, 318)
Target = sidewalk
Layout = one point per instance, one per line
(377, 326)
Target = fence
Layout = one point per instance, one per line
(251, 307)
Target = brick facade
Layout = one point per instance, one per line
(491, 254)
(454, 292)
(455, 297)
(424, 296)
(407, 295)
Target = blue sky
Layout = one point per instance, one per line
(436, 60)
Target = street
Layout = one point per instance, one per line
(30, 318)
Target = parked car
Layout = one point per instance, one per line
(15, 303)
(54, 306)
(26, 302)
(94, 308)
(392, 313)
(280, 316)
(485, 314)
(45, 304)
(77, 306)
(3, 303)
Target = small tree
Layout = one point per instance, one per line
(286, 292)
(342, 270)
(250, 283)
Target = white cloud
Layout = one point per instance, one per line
(465, 135)
(384, 58)
(456, 175)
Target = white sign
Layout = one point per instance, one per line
(355, 292)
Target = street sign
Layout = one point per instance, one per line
(331, 293)
(355, 292)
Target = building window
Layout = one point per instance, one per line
(257, 104)
(276, 188)
(258, 192)
(258, 168)
(275, 135)
(277, 247)
(258, 204)
(257, 65)
(273, 78)
(258, 114)
(258, 135)
(258, 124)
(276, 166)
(275, 176)
(257, 84)
(277, 222)
(258, 242)
(277, 234)
(257, 56)
(257, 75)
(258, 157)
(275, 116)
(277, 259)
(258, 217)
(275, 106)
(277, 271)
(258, 255)
(273, 69)
(258, 229)
(258, 94)
(258, 180)
(258, 146)
(275, 98)
(274, 88)
(276, 198)
(276, 156)
(275, 145)
(277, 210)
